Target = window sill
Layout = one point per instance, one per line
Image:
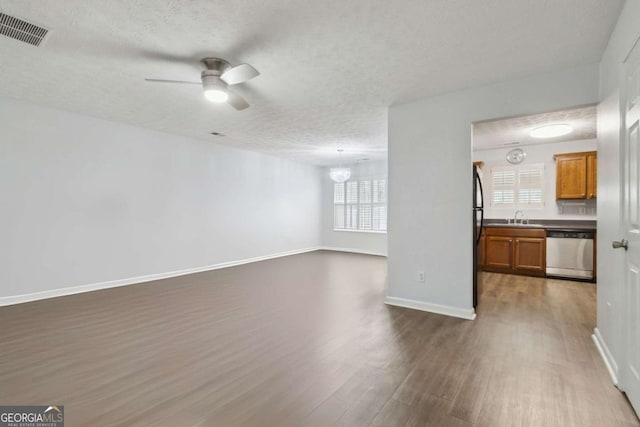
(359, 231)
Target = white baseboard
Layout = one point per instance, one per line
(447, 310)
(19, 299)
(606, 355)
(355, 251)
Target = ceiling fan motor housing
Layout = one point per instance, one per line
(211, 80)
(217, 65)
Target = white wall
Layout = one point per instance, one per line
(536, 154)
(610, 262)
(430, 182)
(87, 200)
(373, 243)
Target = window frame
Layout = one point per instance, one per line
(371, 204)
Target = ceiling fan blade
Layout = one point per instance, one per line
(172, 81)
(236, 101)
(239, 74)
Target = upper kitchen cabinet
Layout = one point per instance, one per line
(592, 175)
(576, 175)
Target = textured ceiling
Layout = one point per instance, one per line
(329, 69)
(505, 132)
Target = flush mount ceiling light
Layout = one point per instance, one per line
(340, 174)
(551, 131)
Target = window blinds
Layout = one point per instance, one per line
(503, 184)
(518, 186)
(351, 221)
(379, 205)
(360, 205)
(530, 182)
(338, 205)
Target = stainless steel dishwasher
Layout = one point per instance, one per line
(570, 254)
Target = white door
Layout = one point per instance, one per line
(631, 204)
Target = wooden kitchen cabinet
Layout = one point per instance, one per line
(498, 252)
(592, 175)
(515, 250)
(482, 251)
(576, 175)
(530, 254)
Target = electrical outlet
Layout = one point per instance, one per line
(582, 210)
(420, 276)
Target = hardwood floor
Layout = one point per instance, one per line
(306, 340)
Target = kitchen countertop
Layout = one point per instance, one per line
(547, 224)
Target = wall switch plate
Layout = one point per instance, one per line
(420, 276)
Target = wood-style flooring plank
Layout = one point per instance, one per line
(306, 340)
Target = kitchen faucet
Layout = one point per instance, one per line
(515, 217)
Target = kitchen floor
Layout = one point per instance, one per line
(551, 367)
(306, 340)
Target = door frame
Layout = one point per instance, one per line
(622, 320)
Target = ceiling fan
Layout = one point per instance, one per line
(216, 79)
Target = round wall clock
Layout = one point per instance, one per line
(516, 156)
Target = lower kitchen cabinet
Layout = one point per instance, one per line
(482, 251)
(515, 250)
(499, 252)
(530, 255)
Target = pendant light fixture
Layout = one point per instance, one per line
(340, 174)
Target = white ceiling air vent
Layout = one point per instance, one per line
(21, 30)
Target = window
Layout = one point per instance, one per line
(360, 205)
(517, 186)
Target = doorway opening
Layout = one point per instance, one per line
(538, 175)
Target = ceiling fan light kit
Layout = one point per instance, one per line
(215, 90)
(216, 79)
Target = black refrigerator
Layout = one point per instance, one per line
(478, 218)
